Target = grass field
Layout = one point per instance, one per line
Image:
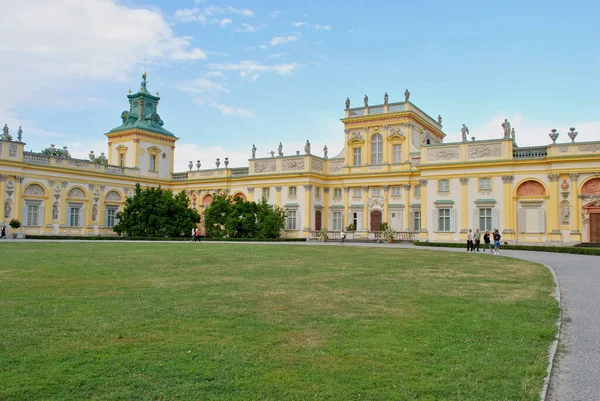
(163, 321)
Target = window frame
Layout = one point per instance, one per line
(417, 217)
(376, 149)
(396, 190)
(152, 163)
(78, 216)
(292, 192)
(337, 193)
(28, 205)
(444, 220)
(337, 217)
(266, 192)
(397, 153)
(482, 180)
(288, 219)
(441, 187)
(485, 227)
(357, 192)
(417, 191)
(357, 157)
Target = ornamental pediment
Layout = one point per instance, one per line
(121, 148)
(356, 138)
(395, 136)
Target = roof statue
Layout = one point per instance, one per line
(347, 103)
(253, 151)
(406, 95)
(307, 147)
(506, 126)
(465, 132)
(385, 98)
(366, 101)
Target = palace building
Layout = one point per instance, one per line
(395, 168)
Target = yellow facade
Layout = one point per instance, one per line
(547, 194)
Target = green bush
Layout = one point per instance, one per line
(536, 248)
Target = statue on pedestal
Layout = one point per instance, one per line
(347, 103)
(406, 95)
(325, 152)
(5, 135)
(307, 147)
(465, 132)
(506, 126)
(253, 152)
(280, 150)
(366, 101)
(385, 98)
(20, 134)
(440, 119)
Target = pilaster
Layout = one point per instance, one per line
(18, 199)
(101, 211)
(87, 225)
(136, 153)
(346, 207)
(307, 193)
(62, 215)
(250, 194)
(386, 201)
(406, 217)
(325, 218)
(424, 211)
(3, 178)
(576, 226)
(49, 204)
(509, 212)
(464, 208)
(365, 226)
(553, 214)
(278, 195)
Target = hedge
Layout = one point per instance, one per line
(111, 238)
(536, 248)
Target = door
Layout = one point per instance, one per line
(318, 220)
(595, 227)
(375, 220)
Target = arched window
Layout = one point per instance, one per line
(376, 149)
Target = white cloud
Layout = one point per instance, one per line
(184, 152)
(527, 132)
(214, 74)
(278, 40)
(274, 14)
(201, 85)
(315, 26)
(300, 24)
(251, 67)
(250, 28)
(224, 21)
(231, 111)
(213, 10)
(262, 47)
(96, 40)
(323, 27)
(190, 15)
(276, 55)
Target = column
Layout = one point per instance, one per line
(345, 221)
(387, 146)
(406, 220)
(325, 217)
(307, 205)
(424, 211)
(464, 208)
(17, 206)
(347, 148)
(576, 227)
(365, 190)
(48, 205)
(278, 195)
(366, 149)
(250, 194)
(101, 211)
(386, 209)
(509, 209)
(3, 178)
(552, 212)
(89, 204)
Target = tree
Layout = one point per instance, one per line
(154, 212)
(235, 218)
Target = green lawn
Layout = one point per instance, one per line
(184, 321)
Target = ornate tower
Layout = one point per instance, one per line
(141, 141)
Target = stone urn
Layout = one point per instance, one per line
(218, 162)
(553, 136)
(572, 134)
(198, 164)
(191, 165)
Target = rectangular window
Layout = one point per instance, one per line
(376, 191)
(337, 221)
(443, 186)
(292, 192)
(417, 191)
(74, 216)
(110, 217)
(417, 221)
(396, 191)
(357, 156)
(291, 220)
(357, 192)
(485, 184)
(266, 193)
(397, 149)
(33, 212)
(337, 192)
(355, 220)
(443, 219)
(122, 159)
(152, 162)
(376, 149)
(485, 219)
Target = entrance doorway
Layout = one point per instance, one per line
(318, 220)
(376, 220)
(595, 227)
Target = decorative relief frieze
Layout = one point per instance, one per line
(434, 154)
(76, 193)
(113, 196)
(376, 201)
(64, 184)
(317, 165)
(12, 150)
(335, 166)
(206, 173)
(484, 151)
(293, 165)
(563, 149)
(531, 188)
(589, 148)
(266, 166)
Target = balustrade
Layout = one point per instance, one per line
(534, 152)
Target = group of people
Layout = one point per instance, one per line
(195, 234)
(474, 241)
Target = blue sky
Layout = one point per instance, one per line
(236, 73)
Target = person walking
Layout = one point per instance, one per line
(477, 238)
(470, 241)
(197, 234)
(193, 235)
(342, 237)
(497, 238)
(486, 241)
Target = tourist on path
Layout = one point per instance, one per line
(477, 238)
(342, 237)
(486, 241)
(497, 238)
(470, 241)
